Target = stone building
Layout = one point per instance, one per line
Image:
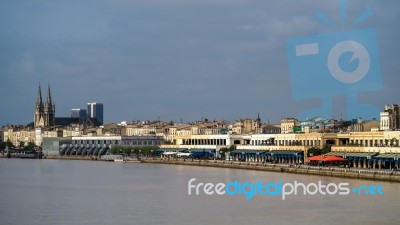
(390, 118)
(288, 124)
(246, 126)
(365, 126)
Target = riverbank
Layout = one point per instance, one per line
(378, 175)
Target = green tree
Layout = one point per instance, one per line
(232, 147)
(21, 144)
(116, 149)
(9, 144)
(147, 150)
(318, 151)
(223, 152)
(2, 145)
(30, 146)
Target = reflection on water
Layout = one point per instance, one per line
(87, 192)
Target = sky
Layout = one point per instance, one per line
(177, 59)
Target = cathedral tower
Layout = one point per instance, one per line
(44, 115)
(38, 116)
(49, 110)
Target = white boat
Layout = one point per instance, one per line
(187, 154)
(119, 158)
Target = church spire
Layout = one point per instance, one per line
(39, 101)
(49, 102)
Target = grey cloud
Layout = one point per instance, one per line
(180, 58)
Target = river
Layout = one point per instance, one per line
(90, 192)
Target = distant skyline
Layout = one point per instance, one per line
(173, 59)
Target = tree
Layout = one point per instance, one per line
(9, 144)
(223, 152)
(318, 151)
(21, 144)
(232, 147)
(2, 145)
(147, 150)
(30, 146)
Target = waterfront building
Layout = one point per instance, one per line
(318, 140)
(95, 145)
(40, 133)
(20, 134)
(208, 141)
(95, 111)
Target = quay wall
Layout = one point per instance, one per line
(333, 172)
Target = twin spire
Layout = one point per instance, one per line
(44, 115)
(39, 101)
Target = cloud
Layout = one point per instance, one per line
(173, 59)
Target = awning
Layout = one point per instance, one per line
(201, 150)
(184, 154)
(284, 153)
(246, 151)
(162, 150)
(170, 153)
(387, 157)
(198, 152)
(353, 155)
(329, 158)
